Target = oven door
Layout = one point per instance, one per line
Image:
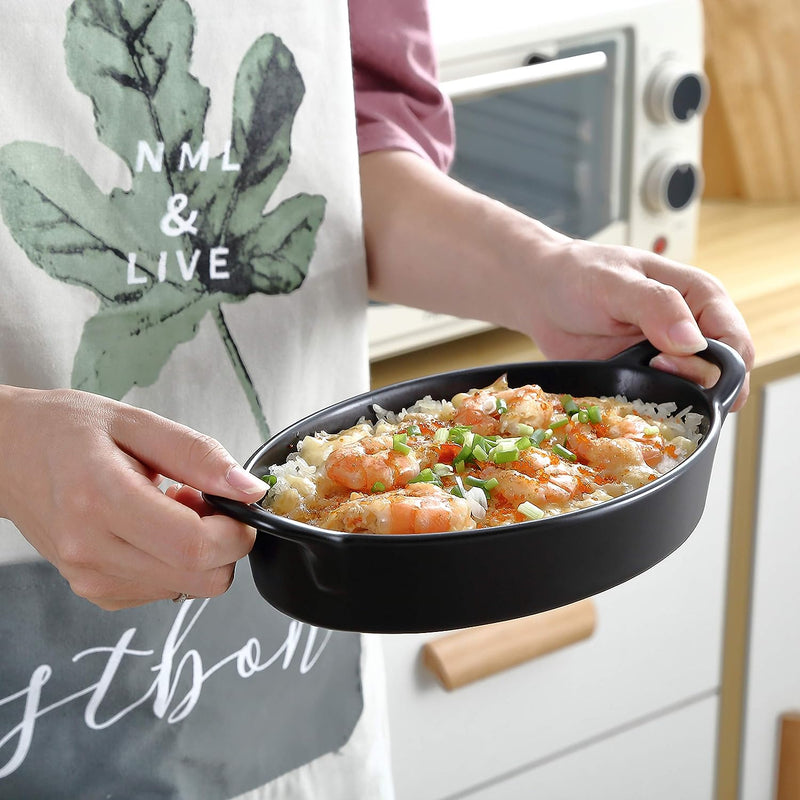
(549, 138)
(546, 136)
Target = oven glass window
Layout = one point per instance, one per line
(549, 149)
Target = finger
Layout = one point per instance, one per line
(112, 569)
(190, 498)
(715, 312)
(692, 368)
(183, 455)
(660, 312)
(701, 372)
(171, 532)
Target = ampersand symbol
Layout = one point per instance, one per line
(172, 223)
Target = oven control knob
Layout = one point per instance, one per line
(671, 184)
(676, 94)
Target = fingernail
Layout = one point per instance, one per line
(686, 337)
(243, 481)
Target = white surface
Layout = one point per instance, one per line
(773, 673)
(658, 642)
(663, 759)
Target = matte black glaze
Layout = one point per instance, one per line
(428, 582)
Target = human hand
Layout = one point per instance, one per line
(79, 477)
(592, 301)
(475, 257)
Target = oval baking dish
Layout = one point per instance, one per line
(442, 581)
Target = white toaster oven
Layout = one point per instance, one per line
(584, 115)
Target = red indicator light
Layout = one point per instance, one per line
(660, 245)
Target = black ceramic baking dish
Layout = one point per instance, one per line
(442, 581)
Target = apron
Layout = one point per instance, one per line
(180, 229)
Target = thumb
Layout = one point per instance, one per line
(184, 455)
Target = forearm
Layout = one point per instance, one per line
(435, 244)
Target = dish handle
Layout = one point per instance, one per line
(258, 517)
(730, 363)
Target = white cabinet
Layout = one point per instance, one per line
(656, 652)
(773, 668)
(666, 757)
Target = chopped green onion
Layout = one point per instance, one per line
(530, 511)
(399, 443)
(505, 456)
(442, 469)
(270, 480)
(413, 430)
(378, 486)
(426, 476)
(458, 489)
(524, 443)
(594, 414)
(457, 433)
(460, 466)
(559, 423)
(538, 436)
(487, 485)
(583, 415)
(479, 454)
(652, 430)
(500, 405)
(523, 429)
(441, 435)
(559, 450)
(570, 406)
(483, 483)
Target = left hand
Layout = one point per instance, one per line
(596, 300)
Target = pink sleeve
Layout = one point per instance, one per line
(398, 103)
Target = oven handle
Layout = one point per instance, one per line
(490, 83)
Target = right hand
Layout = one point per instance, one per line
(80, 476)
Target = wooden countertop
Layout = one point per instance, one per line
(753, 248)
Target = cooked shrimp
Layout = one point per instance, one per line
(529, 405)
(620, 444)
(481, 410)
(360, 465)
(417, 508)
(538, 477)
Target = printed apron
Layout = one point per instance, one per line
(180, 229)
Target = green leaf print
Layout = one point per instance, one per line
(191, 234)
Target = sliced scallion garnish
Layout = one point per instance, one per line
(426, 476)
(538, 436)
(270, 480)
(651, 430)
(594, 414)
(562, 451)
(529, 510)
(479, 454)
(378, 486)
(569, 404)
(505, 456)
(558, 423)
(441, 435)
(500, 405)
(399, 443)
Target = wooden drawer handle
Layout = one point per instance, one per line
(789, 764)
(460, 658)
